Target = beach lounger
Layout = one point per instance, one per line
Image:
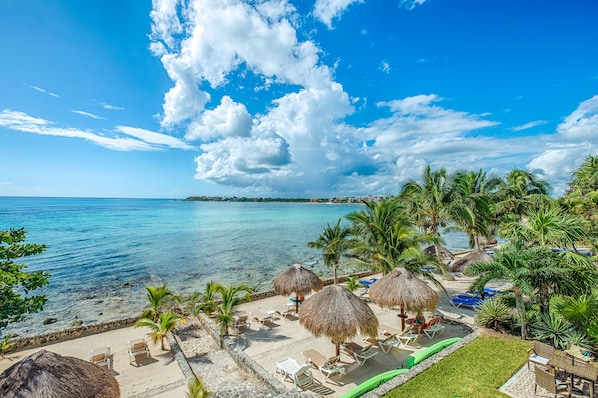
(263, 319)
(136, 348)
(284, 311)
(241, 322)
(407, 336)
(101, 357)
(360, 353)
(300, 375)
(469, 302)
(433, 327)
(327, 367)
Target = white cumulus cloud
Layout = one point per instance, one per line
(327, 10)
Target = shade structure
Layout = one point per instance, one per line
(476, 256)
(45, 374)
(400, 288)
(339, 314)
(445, 254)
(297, 280)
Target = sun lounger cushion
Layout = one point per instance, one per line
(361, 354)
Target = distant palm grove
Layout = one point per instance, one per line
(546, 252)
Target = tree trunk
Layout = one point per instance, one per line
(521, 310)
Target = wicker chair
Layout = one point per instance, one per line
(540, 353)
(548, 381)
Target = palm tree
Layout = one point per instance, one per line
(428, 201)
(370, 231)
(231, 298)
(472, 205)
(208, 299)
(334, 244)
(157, 297)
(196, 389)
(546, 226)
(519, 192)
(160, 328)
(537, 272)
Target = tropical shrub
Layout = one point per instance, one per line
(494, 314)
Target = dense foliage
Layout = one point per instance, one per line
(15, 282)
(546, 255)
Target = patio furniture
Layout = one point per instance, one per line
(540, 353)
(360, 353)
(327, 367)
(285, 310)
(433, 327)
(263, 319)
(101, 357)
(136, 348)
(549, 382)
(407, 336)
(241, 322)
(300, 375)
(464, 301)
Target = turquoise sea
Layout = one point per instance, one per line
(102, 252)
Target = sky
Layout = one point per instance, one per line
(290, 98)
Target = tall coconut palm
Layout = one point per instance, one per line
(428, 201)
(472, 205)
(370, 231)
(232, 296)
(333, 241)
(165, 324)
(546, 226)
(157, 297)
(519, 192)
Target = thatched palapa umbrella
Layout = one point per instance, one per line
(476, 256)
(45, 374)
(339, 314)
(298, 280)
(402, 289)
(444, 253)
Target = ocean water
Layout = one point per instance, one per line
(102, 252)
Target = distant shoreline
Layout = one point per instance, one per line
(335, 200)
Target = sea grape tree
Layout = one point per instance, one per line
(15, 282)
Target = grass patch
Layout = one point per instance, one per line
(474, 371)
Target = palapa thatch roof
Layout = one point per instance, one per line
(298, 280)
(339, 314)
(476, 256)
(445, 254)
(400, 288)
(45, 374)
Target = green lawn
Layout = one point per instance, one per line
(474, 371)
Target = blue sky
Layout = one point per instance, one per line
(170, 98)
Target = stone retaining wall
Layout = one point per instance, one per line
(70, 333)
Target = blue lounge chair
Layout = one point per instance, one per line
(368, 283)
(465, 301)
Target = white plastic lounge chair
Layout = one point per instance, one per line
(327, 367)
(386, 339)
(360, 353)
(285, 310)
(407, 336)
(137, 348)
(300, 375)
(261, 318)
(101, 357)
(433, 327)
